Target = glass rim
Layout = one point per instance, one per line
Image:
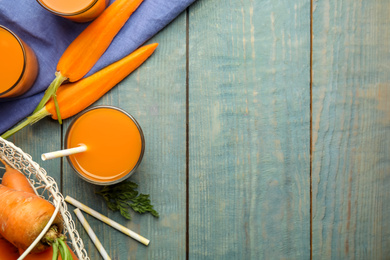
(67, 14)
(127, 175)
(24, 59)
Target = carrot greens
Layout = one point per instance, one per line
(123, 196)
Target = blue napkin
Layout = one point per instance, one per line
(49, 35)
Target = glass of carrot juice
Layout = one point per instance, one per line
(76, 10)
(115, 145)
(18, 65)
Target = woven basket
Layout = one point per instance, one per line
(46, 187)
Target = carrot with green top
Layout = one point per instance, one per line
(74, 97)
(16, 180)
(23, 217)
(82, 54)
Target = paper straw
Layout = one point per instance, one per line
(62, 153)
(108, 221)
(92, 234)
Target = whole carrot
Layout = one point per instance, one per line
(23, 216)
(74, 97)
(87, 48)
(16, 180)
(13, 178)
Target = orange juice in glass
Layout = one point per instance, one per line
(115, 145)
(76, 10)
(18, 65)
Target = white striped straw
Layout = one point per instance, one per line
(62, 153)
(92, 234)
(108, 221)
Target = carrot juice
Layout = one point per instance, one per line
(75, 10)
(115, 145)
(18, 65)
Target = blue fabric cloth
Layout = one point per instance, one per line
(49, 35)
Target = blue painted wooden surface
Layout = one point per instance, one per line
(249, 121)
(351, 130)
(252, 151)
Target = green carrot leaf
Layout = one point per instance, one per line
(123, 196)
(64, 250)
(125, 213)
(55, 246)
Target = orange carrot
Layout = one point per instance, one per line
(82, 54)
(23, 216)
(74, 97)
(16, 180)
(7, 250)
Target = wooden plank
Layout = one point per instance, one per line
(351, 123)
(155, 96)
(249, 129)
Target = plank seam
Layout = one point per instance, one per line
(311, 129)
(187, 135)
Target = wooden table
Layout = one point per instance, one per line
(267, 127)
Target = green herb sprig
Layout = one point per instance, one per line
(123, 196)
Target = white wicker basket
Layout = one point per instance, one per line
(46, 187)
